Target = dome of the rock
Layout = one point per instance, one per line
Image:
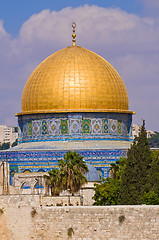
(74, 79)
(74, 100)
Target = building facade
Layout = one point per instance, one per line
(136, 129)
(8, 134)
(74, 100)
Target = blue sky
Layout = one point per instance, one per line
(124, 32)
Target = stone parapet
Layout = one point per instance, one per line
(26, 218)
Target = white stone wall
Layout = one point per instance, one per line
(28, 217)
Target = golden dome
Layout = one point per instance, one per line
(74, 79)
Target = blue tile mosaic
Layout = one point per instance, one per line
(50, 127)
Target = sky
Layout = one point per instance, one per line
(124, 32)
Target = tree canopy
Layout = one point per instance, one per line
(154, 140)
(15, 143)
(69, 176)
(53, 180)
(134, 180)
(5, 146)
(107, 192)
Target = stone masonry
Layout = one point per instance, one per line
(31, 218)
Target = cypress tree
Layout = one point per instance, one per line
(154, 173)
(134, 181)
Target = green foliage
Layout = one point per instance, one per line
(117, 169)
(70, 232)
(15, 143)
(154, 172)
(1, 210)
(107, 192)
(53, 180)
(150, 198)
(5, 146)
(69, 176)
(134, 181)
(33, 212)
(72, 169)
(122, 218)
(154, 140)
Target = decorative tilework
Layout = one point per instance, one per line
(86, 126)
(113, 126)
(25, 130)
(100, 172)
(36, 125)
(71, 126)
(64, 126)
(105, 126)
(119, 127)
(48, 159)
(54, 126)
(19, 132)
(75, 126)
(124, 128)
(96, 126)
(29, 128)
(44, 127)
(130, 132)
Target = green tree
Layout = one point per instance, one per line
(53, 181)
(15, 143)
(134, 181)
(154, 173)
(116, 169)
(150, 198)
(5, 146)
(107, 192)
(72, 169)
(154, 140)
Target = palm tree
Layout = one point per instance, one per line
(117, 168)
(72, 169)
(53, 181)
(114, 168)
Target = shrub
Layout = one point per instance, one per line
(70, 232)
(33, 212)
(121, 219)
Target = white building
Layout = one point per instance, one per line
(136, 130)
(8, 134)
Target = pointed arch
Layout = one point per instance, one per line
(41, 170)
(25, 185)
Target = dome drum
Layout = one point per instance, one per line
(77, 126)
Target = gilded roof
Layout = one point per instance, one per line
(74, 79)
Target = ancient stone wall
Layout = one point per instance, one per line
(30, 218)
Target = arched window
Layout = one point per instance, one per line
(41, 170)
(38, 185)
(11, 177)
(25, 185)
(27, 171)
(100, 172)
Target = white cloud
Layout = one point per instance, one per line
(150, 3)
(128, 41)
(3, 33)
